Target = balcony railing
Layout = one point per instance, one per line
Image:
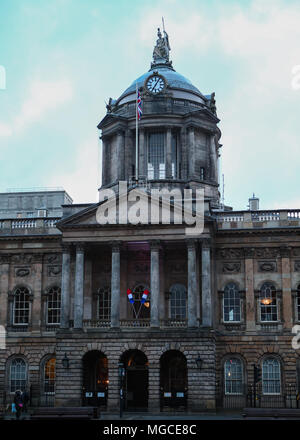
(96, 323)
(174, 323)
(133, 323)
(35, 225)
(248, 219)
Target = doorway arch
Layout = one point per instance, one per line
(173, 379)
(136, 379)
(95, 378)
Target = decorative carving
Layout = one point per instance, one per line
(22, 271)
(249, 252)
(233, 267)
(297, 266)
(22, 258)
(267, 252)
(228, 253)
(37, 258)
(4, 259)
(267, 266)
(285, 251)
(53, 271)
(53, 258)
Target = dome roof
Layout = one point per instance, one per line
(174, 80)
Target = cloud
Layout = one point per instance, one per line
(82, 182)
(43, 96)
(5, 130)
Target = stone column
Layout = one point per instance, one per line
(120, 154)
(249, 287)
(206, 285)
(142, 154)
(192, 283)
(79, 283)
(169, 154)
(37, 289)
(155, 285)
(129, 159)
(65, 287)
(115, 284)
(287, 308)
(4, 286)
(105, 165)
(183, 161)
(191, 152)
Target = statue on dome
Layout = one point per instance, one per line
(162, 48)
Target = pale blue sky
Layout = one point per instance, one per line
(64, 58)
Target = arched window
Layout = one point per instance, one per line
(268, 303)
(103, 303)
(233, 371)
(231, 303)
(178, 301)
(271, 381)
(18, 375)
(53, 305)
(298, 303)
(49, 376)
(21, 306)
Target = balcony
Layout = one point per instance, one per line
(29, 226)
(134, 323)
(280, 218)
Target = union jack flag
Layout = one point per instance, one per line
(139, 105)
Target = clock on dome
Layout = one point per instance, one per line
(155, 84)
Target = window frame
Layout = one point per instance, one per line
(28, 300)
(270, 285)
(25, 374)
(105, 290)
(228, 393)
(274, 359)
(240, 304)
(49, 294)
(174, 286)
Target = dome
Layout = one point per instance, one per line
(174, 79)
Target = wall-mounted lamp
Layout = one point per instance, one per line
(198, 361)
(66, 361)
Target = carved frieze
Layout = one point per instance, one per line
(21, 258)
(54, 271)
(22, 271)
(230, 253)
(231, 267)
(53, 258)
(297, 266)
(4, 259)
(267, 266)
(267, 252)
(296, 252)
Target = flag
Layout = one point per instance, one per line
(144, 296)
(130, 296)
(139, 105)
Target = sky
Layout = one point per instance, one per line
(63, 59)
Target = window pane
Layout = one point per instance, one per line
(156, 156)
(178, 302)
(104, 302)
(232, 303)
(17, 375)
(49, 376)
(268, 303)
(21, 306)
(54, 304)
(233, 376)
(271, 383)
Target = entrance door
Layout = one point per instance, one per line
(136, 380)
(173, 379)
(95, 379)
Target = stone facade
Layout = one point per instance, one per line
(63, 280)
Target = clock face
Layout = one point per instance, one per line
(155, 84)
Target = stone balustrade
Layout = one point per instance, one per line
(258, 219)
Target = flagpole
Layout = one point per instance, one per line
(136, 138)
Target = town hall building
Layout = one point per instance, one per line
(177, 321)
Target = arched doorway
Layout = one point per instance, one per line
(95, 378)
(173, 379)
(136, 379)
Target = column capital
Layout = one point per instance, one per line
(192, 243)
(66, 248)
(155, 244)
(206, 243)
(116, 245)
(80, 247)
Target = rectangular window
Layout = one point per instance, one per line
(156, 156)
